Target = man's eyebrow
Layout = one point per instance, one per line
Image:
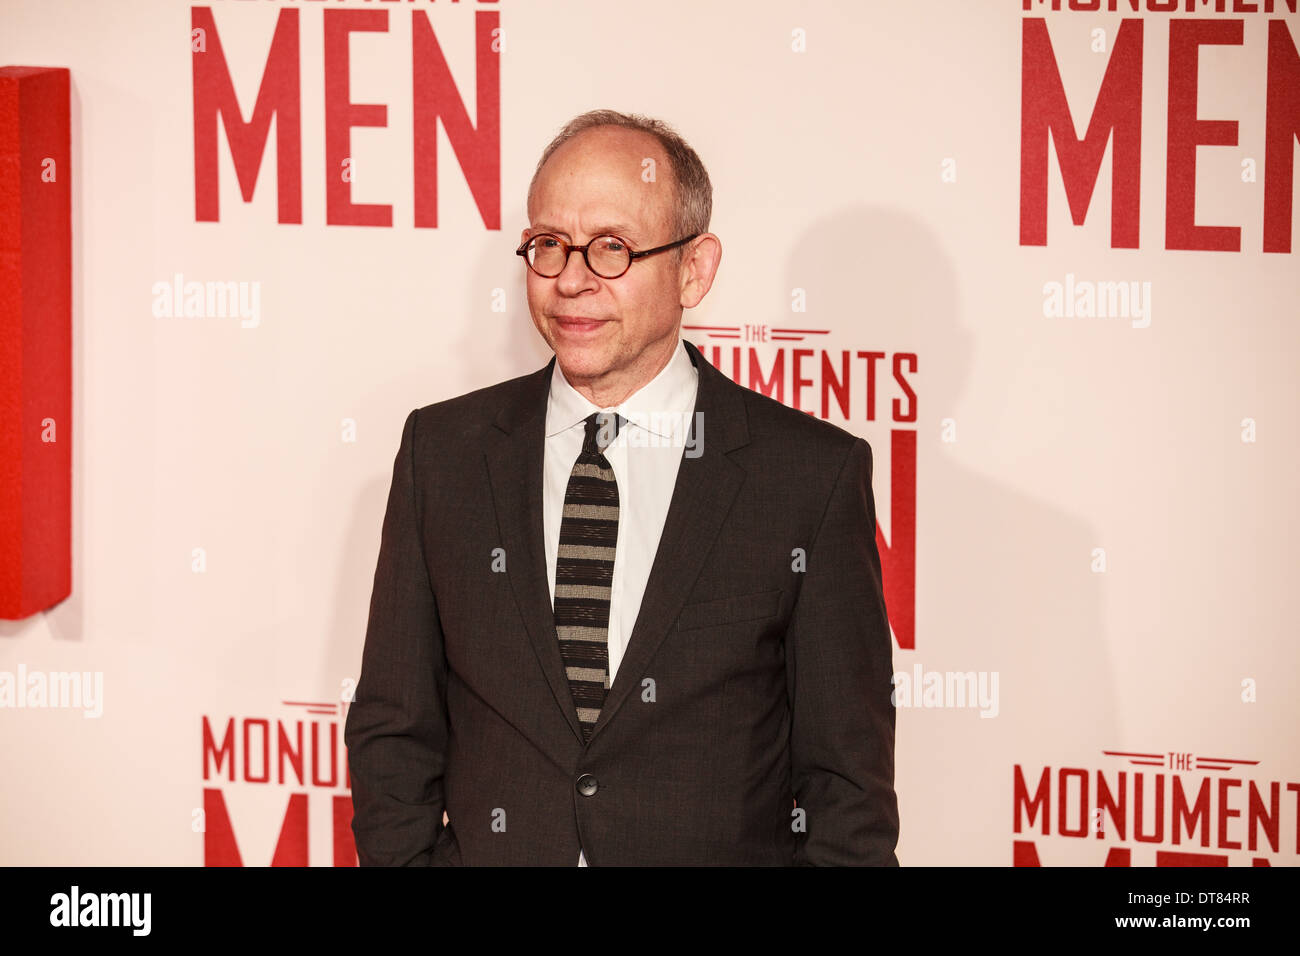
(615, 229)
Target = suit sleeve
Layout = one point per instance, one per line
(839, 664)
(396, 731)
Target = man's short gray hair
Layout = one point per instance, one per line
(694, 204)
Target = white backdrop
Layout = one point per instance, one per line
(1105, 514)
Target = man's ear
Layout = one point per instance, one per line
(699, 266)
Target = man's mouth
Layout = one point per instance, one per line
(577, 323)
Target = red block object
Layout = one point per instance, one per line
(35, 340)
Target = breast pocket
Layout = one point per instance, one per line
(730, 610)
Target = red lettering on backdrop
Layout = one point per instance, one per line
(278, 96)
(212, 755)
(1117, 113)
(1023, 805)
(435, 97)
(1264, 819)
(1282, 128)
(898, 559)
(797, 357)
(1225, 784)
(897, 555)
(871, 358)
(901, 359)
(1139, 786)
(341, 115)
(774, 385)
(1191, 816)
(1045, 118)
(250, 773)
(1183, 858)
(291, 750)
(839, 384)
(345, 847)
(220, 848)
(316, 763)
(1116, 807)
(1063, 802)
(1025, 853)
(1263, 816)
(1186, 132)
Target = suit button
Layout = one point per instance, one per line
(587, 785)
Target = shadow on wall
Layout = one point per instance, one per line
(1003, 579)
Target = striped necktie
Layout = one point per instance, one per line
(584, 570)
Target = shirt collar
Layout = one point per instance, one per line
(662, 406)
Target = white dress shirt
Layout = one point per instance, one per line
(645, 457)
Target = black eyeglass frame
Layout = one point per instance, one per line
(569, 248)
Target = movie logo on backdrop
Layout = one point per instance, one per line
(1197, 804)
(1186, 809)
(1116, 120)
(435, 98)
(1194, 810)
(299, 753)
(840, 385)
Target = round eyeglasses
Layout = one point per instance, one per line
(607, 256)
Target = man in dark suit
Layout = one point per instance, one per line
(625, 610)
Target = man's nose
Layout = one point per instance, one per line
(575, 276)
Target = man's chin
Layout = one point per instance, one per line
(578, 362)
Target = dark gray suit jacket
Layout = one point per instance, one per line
(749, 682)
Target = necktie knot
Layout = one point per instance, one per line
(602, 429)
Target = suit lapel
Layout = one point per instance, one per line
(515, 472)
(702, 497)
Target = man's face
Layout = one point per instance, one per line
(610, 336)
